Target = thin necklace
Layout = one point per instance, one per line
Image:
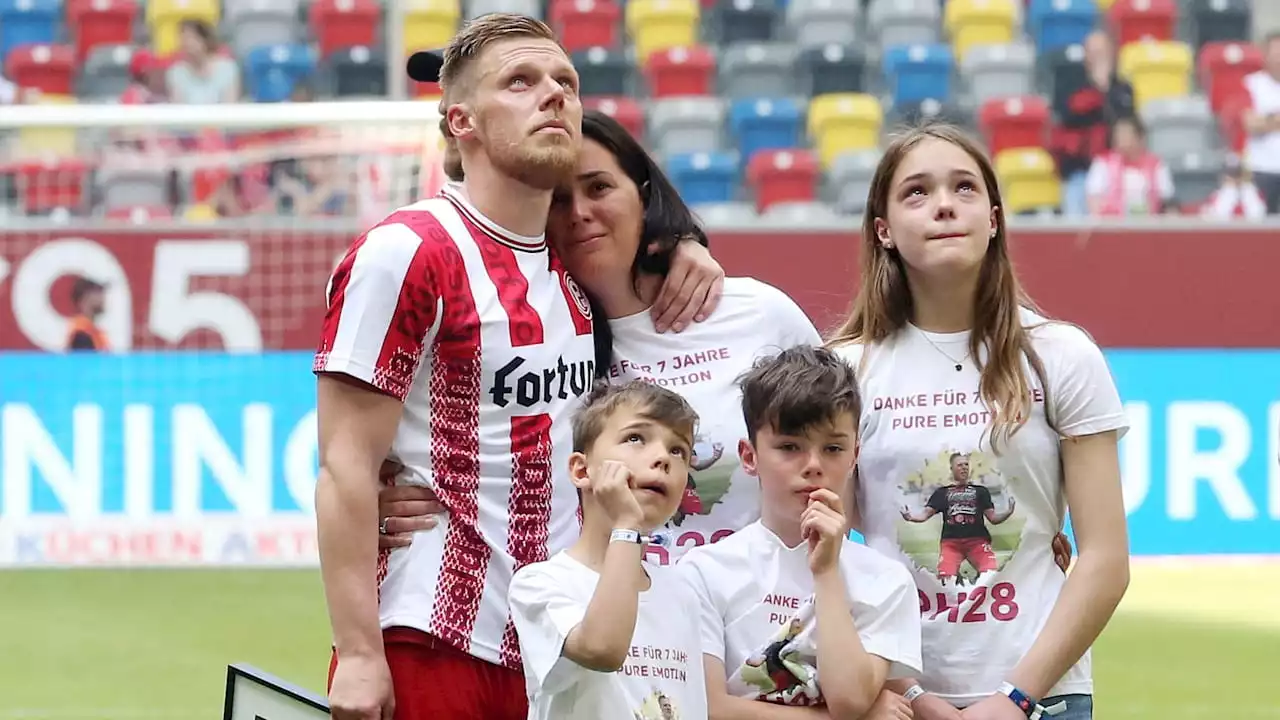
(959, 363)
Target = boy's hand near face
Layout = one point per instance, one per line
(612, 486)
(824, 526)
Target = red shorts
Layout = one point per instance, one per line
(433, 680)
(953, 552)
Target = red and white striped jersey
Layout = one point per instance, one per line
(487, 341)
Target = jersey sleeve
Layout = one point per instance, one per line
(384, 307)
(1081, 394)
(706, 613)
(938, 500)
(891, 628)
(984, 499)
(545, 610)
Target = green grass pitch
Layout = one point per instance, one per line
(1197, 640)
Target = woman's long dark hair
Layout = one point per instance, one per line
(667, 219)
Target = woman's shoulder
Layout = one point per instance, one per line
(1057, 337)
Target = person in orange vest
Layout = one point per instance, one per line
(89, 299)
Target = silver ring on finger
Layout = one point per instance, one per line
(382, 526)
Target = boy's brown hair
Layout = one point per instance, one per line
(651, 402)
(797, 389)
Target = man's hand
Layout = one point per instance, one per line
(404, 509)
(931, 707)
(361, 689)
(994, 707)
(889, 705)
(611, 485)
(1061, 551)
(691, 290)
(823, 525)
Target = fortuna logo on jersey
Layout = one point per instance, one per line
(537, 386)
(579, 297)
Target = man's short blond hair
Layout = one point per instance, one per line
(478, 34)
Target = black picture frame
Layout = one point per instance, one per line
(240, 672)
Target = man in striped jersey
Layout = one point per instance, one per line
(456, 344)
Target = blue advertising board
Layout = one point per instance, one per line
(140, 437)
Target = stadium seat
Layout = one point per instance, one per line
(127, 183)
(140, 214)
(833, 69)
(657, 24)
(917, 112)
(355, 72)
(24, 22)
(996, 71)
(430, 24)
(602, 71)
(680, 71)
(345, 23)
(1221, 20)
(1196, 175)
(583, 24)
(165, 16)
(1028, 180)
(970, 23)
(823, 22)
(1015, 123)
(627, 111)
(918, 72)
(47, 143)
(272, 71)
(200, 212)
(105, 73)
(48, 183)
(1156, 69)
(1055, 24)
(687, 125)
(704, 177)
(752, 70)
(476, 8)
(723, 214)
(1134, 20)
(849, 180)
(1222, 68)
(841, 123)
(904, 22)
(1064, 76)
(765, 124)
(1179, 125)
(257, 23)
(100, 22)
(779, 176)
(735, 21)
(47, 68)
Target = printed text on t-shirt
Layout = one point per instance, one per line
(675, 371)
(651, 661)
(787, 602)
(972, 606)
(949, 409)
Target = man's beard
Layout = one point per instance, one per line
(544, 165)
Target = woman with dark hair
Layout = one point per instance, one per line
(202, 75)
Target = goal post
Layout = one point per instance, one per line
(211, 231)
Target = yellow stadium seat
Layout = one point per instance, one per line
(1104, 5)
(1157, 69)
(430, 24)
(1028, 180)
(841, 122)
(33, 142)
(200, 212)
(661, 24)
(164, 17)
(980, 22)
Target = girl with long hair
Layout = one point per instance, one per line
(984, 413)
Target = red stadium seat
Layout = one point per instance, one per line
(1133, 20)
(1222, 68)
(50, 184)
(100, 22)
(140, 215)
(1014, 122)
(783, 176)
(680, 71)
(625, 110)
(584, 24)
(47, 68)
(345, 23)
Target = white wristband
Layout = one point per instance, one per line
(912, 693)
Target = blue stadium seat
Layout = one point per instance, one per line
(272, 71)
(24, 22)
(918, 72)
(1055, 24)
(704, 177)
(766, 124)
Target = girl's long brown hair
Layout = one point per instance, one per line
(883, 305)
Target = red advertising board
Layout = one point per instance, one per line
(255, 290)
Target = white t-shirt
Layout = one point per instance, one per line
(662, 672)
(918, 411)
(1136, 194)
(1262, 152)
(754, 608)
(703, 364)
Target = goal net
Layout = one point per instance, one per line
(200, 240)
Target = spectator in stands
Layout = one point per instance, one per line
(317, 186)
(1237, 197)
(202, 75)
(1129, 179)
(89, 298)
(1262, 121)
(1087, 120)
(147, 80)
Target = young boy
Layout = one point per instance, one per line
(792, 612)
(602, 634)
